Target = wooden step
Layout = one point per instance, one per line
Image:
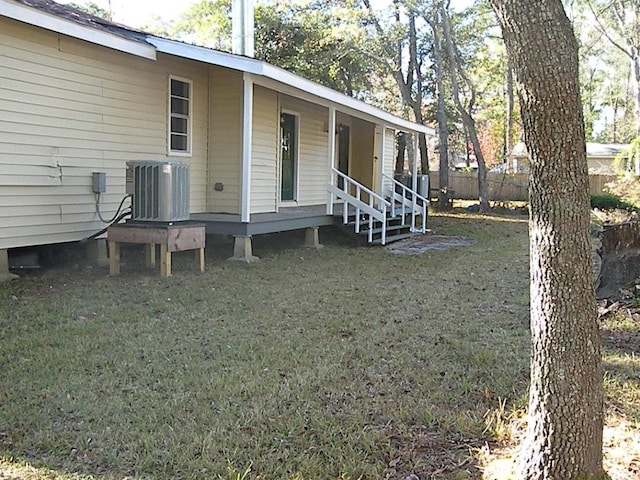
(393, 238)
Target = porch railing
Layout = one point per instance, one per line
(409, 201)
(362, 200)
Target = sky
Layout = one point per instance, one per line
(138, 13)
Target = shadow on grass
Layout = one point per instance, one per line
(344, 362)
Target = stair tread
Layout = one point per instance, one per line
(393, 238)
(390, 229)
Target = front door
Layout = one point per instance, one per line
(288, 155)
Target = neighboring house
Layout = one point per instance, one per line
(264, 146)
(600, 158)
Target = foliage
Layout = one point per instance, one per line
(317, 42)
(627, 160)
(207, 22)
(627, 184)
(608, 33)
(627, 188)
(608, 201)
(92, 8)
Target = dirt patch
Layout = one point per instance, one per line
(421, 243)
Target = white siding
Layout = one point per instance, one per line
(226, 140)
(264, 161)
(312, 150)
(388, 158)
(69, 108)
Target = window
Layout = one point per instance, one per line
(180, 98)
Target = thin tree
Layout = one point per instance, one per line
(465, 112)
(433, 19)
(565, 421)
(406, 71)
(619, 22)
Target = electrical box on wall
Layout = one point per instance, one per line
(99, 182)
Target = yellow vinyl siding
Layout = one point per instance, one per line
(389, 151)
(388, 159)
(264, 159)
(312, 150)
(361, 161)
(70, 108)
(226, 140)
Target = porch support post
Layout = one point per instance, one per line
(4, 267)
(97, 251)
(414, 173)
(247, 137)
(331, 153)
(381, 158)
(242, 251)
(311, 238)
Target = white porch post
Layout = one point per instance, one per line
(381, 157)
(247, 136)
(331, 154)
(414, 173)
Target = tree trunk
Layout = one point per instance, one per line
(441, 116)
(564, 434)
(465, 113)
(508, 134)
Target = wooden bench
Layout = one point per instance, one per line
(171, 238)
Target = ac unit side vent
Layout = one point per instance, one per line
(160, 191)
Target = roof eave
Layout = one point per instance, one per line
(279, 76)
(32, 16)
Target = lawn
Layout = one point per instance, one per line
(347, 362)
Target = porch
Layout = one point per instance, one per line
(363, 213)
(286, 219)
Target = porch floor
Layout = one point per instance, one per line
(288, 218)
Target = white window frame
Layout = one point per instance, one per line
(189, 118)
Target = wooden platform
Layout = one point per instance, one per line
(174, 237)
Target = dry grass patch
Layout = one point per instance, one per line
(348, 362)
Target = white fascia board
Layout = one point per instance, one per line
(337, 98)
(282, 81)
(206, 55)
(41, 19)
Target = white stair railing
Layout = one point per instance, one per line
(353, 193)
(409, 200)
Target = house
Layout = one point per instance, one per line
(600, 158)
(267, 150)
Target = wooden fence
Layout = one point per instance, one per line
(502, 187)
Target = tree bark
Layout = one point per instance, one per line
(564, 433)
(508, 134)
(441, 114)
(465, 113)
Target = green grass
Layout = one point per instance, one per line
(346, 362)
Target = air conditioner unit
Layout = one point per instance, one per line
(160, 191)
